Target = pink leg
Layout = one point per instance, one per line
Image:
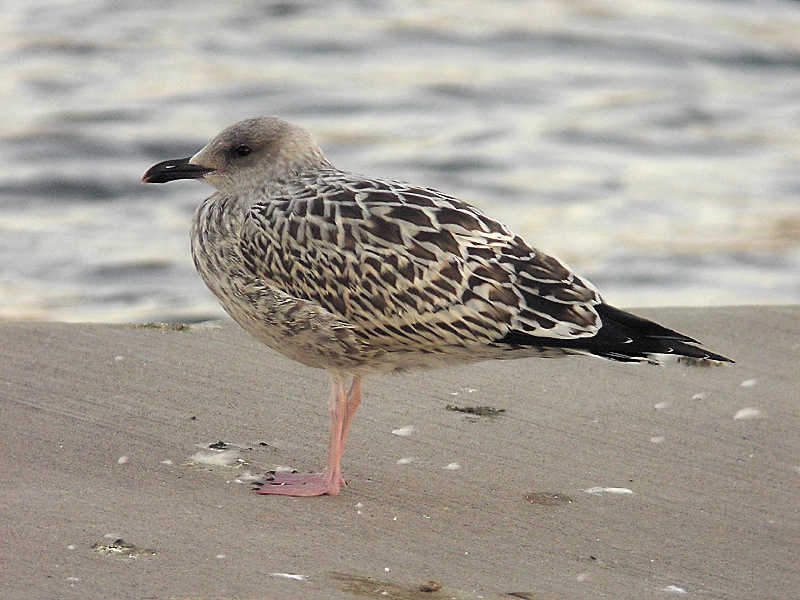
(353, 400)
(343, 408)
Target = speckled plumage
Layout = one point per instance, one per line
(409, 276)
(355, 275)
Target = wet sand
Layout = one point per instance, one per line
(100, 424)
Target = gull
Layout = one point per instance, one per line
(358, 275)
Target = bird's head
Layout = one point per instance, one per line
(247, 155)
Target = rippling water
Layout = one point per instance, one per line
(653, 146)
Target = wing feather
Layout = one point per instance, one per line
(409, 266)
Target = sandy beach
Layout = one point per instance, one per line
(589, 479)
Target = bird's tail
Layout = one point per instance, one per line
(627, 338)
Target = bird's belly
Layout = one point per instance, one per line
(296, 328)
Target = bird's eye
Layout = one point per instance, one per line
(242, 150)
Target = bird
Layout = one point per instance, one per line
(359, 275)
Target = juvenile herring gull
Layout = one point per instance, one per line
(358, 275)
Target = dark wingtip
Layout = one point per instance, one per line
(719, 357)
(624, 337)
(697, 353)
(176, 168)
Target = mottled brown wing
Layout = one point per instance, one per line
(410, 267)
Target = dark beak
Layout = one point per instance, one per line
(170, 170)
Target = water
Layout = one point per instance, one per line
(653, 146)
